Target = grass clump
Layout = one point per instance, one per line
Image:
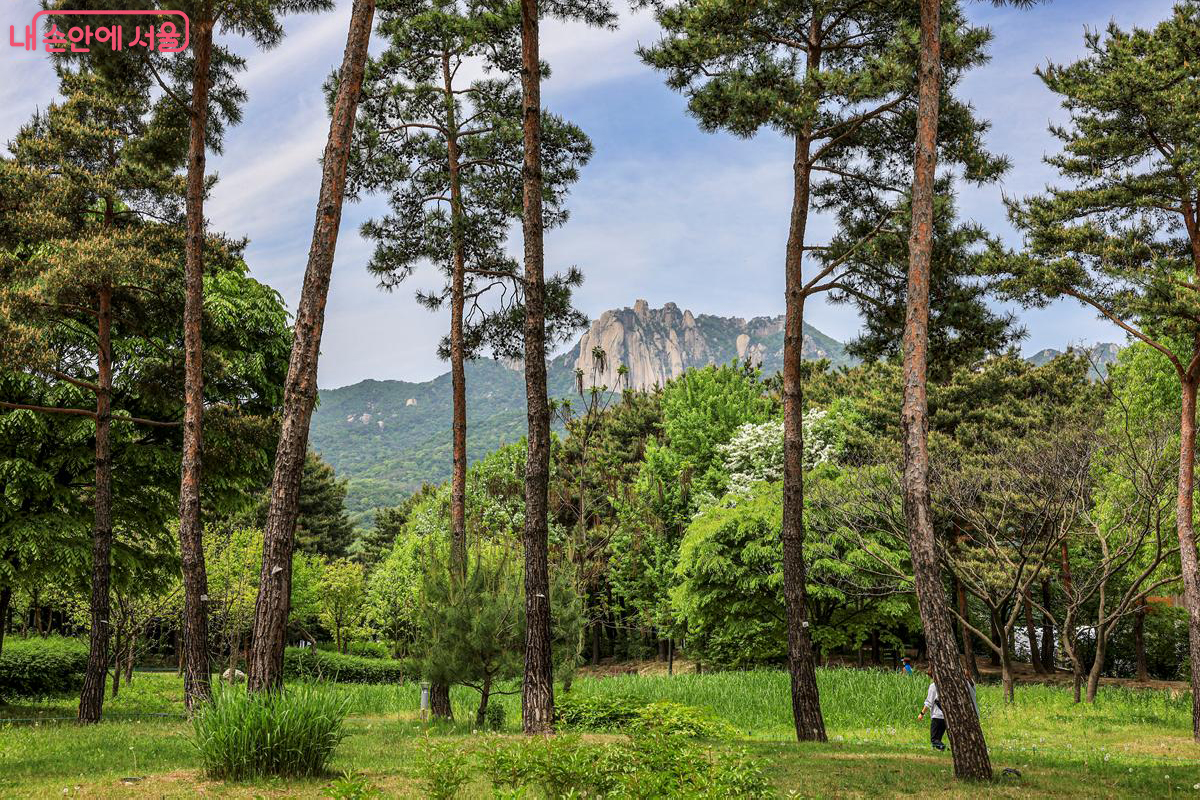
(288, 733)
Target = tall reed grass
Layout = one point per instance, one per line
(287, 733)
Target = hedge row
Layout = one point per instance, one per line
(38, 667)
(312, 664)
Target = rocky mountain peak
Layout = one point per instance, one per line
(658, 344)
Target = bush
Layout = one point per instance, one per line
(596, 713)
(40, 667)
(287, 733)
(308, 663)
(651, 765)
(618, 713)
(444, 770)
(370, 650)
(494, 717)
(675, 719)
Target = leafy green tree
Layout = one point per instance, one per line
(1123, 237)
(375, 544)
(393, 594)
(83, 264)
(343, 594)
(837, 79)
(729, 588)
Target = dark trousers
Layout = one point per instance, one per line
(937, 727)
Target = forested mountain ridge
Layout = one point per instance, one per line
(389, 437)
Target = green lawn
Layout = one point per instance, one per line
(1129, 744)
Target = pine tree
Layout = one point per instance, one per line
(963, 328)
(837, 79)
(537, 688)
(322, 525)
(211, 67)
(300, 387)
(1124, 236)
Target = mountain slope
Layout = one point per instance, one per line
(388, 437)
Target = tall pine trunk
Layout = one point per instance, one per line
(1186, 533)
(300, 389)
(806, 702)
(440, 694)
(191, 532)
(91, 699)
(537, 689)
(971, 760)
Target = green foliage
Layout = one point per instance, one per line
(1121, 235)
(394, 594)
(322, 527)
(287, 733)
(41, 667)
(341, 598)
(595, 713)
(650, 765)
(309, 663)
(444, 770)
(676, 719)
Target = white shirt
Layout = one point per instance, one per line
(935, 708)
(931, 703)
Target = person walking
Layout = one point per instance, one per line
(906, 666)
(937, 718)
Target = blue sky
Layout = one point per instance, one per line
(663, 212)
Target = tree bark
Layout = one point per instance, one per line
(1035, 658)
(964, 631)
(1093, 679)
(806, 701)
(971, 760)
(1139, 638)
(537, 689)
(5, 604)
(196, 687)
(1047, 629)
(439, 701)
(300, 389)
(1187, 536)
(458, 376)
(91, 698)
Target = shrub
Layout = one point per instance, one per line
(650, 765)
(620, 713)
(40, 667)
(370, 650)
(308, 663)
(676, 719)
(494, 719)
(444, 770)
(288, 733)
(596, 713)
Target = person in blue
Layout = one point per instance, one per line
(906, 666)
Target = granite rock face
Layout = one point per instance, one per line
(658, 344)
